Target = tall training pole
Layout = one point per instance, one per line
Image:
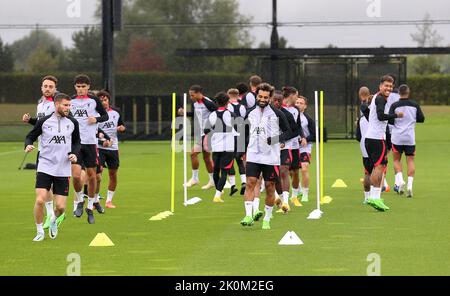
(172, 197)
(316, 111)
(321, 145)
(185, 148)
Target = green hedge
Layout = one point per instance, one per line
(25, 88)
(431, 89)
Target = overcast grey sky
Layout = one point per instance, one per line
(55, 12)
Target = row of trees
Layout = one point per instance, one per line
(153, 49)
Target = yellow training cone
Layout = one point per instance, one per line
(339, 183)
(326, 200)
(155, 218)
(101, 240)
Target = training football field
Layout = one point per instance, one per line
(207, 239)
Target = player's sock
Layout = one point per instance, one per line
(410, 182)
(211, 177)
(294, 192)
(305, 193)
(53, 218)
(75, 204)
(80, 196)
(285, 197)
(243, 179)
(268, 210)
(375, 193)
(195, 174)
(385, 183)
(49, 207)
(366, 195)
(218, 193)
(232, 180)
(90, 205)
(109, 196)
(248, 208)
(399, 178)
(96, 199)
(255, 205)
(300, 190)
(40, 228)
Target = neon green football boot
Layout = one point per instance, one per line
(247, 221)
(266, 225)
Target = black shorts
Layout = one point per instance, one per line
(295, 165)
(368, 165)
(109, 158)
(223, 160)
(60, 184)
(286, 157)
(305, 157)
(88, 156)
(377, 151)
(269, 172)
(409, 150)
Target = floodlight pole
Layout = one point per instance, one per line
(274, 45)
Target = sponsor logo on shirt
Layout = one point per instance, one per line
(58, 140)
(80, 113)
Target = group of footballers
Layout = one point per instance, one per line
(269, 135)
(387, 122)
(77, 138)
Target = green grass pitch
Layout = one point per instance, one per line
(207, 239)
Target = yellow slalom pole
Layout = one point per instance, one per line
(172, 191)
(321, 145)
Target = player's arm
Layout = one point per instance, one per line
(34, 134)
(120, 124)
(210, 105)
(365, 110)
(420, 117)
(358, 130)
(210, 123)
(298, 125)
(105, 135)
(311, 129)
(101, 110)
(380, 104)
(76, 140)
(286, 132)
(250, 99)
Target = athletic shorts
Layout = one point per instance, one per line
(88, 156)
(60, 184)
(305, 157)
(109, 158)
(368, 165)
(409, 150)
(377, 151)
(270, 173)
(296, 164)
(223, 160)
(286, 157)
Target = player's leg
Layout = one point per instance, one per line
(286, 161)
(257, 213)
(113, 163)
(295, 177)
(49, 208)
(241, 165)
(217, 156)
(410, 153)
(368, 168)
(77, 180)
(210, 168)
(41, 194)
(376, 150)
(61, 191)
(253, 172)
(305, 159)
(232, 177)
(195, 165)
(397, 159)
(271, 175)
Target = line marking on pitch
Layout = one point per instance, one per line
(160, 216)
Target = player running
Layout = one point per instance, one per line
(269, 130)
(403, 137)
(109, 154)
(88, 111)
(59, 143)
(375, 141)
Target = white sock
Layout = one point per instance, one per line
(96, 199)
(305, 192)
(243, 178)
(39, 228)
(195, 174)
(53, 218)
(399, 178)
(294, 192)
(366, 195)
(90, 205)
(232, 180)
(276, 194)
(49, 207)
(75, 203)
(268, 211)
(300, 189)
(211, 177)
(218, 193)
(285, 197)
(109, 196)
(80, 196)
(255, 204)
(375, 193)
(410, 182)
(248, 208)
(385, 183)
